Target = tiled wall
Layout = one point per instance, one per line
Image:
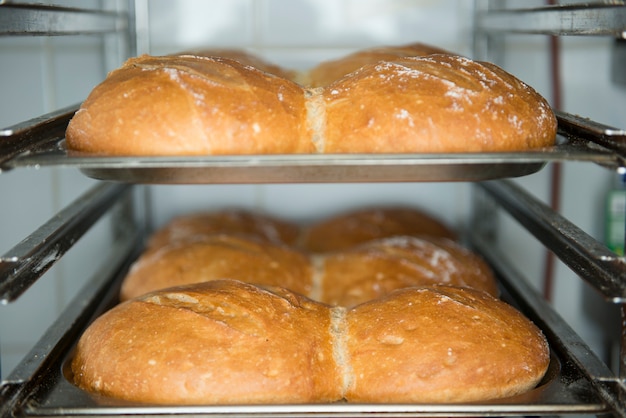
(39, 75)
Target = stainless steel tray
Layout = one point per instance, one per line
(48, 390)
(40, 143)
(553, 395)
(577, 381)
(309, 168)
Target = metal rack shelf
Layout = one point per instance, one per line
(578, 382)
(40, 143)
(36, 20)
(597, 19)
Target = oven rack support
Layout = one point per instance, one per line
(610, 388)
(592, 261)
(23, 389)
(30, 19)
(596, 19)
(491, 23)
(38, 19)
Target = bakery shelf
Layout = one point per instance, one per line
(40, 142)
(37, 19)
(591, 260)
(582, 19)
(576, 382)
(26, 262)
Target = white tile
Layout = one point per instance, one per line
(75, 69)
(309, 202)
(172, 200)
(23, 322)
(26, 204)
(175, 26)
(315, 23)
(22, 80)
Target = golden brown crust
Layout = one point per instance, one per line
(243, 57)
(190, 105)
(216, 257)
(220, 342)
(441, 345)
(330, 71)
(358, 226)
(228, 342)
(227, 221)
(376, 268)
(405, 99)
(439, 103)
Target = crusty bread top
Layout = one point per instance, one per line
(437, 103)
(243, 57)
(328, 72)
(198, 105)
(344, 259)
(357, 226)
(442, 344)
(218, 342)
(229, 342)
(190, 105)
(225, 221)
(219, 256)
(376, 268)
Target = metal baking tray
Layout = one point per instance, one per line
(41, 143)
(42, 384)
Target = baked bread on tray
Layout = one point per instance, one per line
(230, 342)
(345, 259)
(403, 99)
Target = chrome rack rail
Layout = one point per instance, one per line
(33, 19)
(585, 256)
(577, 383)
(578, 127)
(40, 142)
(34, 134)
(44, 360)
(25, 263)
(583, 19)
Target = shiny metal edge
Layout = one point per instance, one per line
(587, 19)
(560, 392)
(36, 19)
(329, 173)
(310, 168)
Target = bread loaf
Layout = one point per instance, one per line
(390, 103)
(243, 57)
(228, 342)
(357, 226)
(219, 257)
(190, 105)
(340, 260)
(231, 221)
(376, 268)
(438, 103)
(328, 72)
(441, 345)
(221, 342)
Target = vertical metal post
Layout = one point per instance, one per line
(485, 47)
(139, 36)
(484, 216)
(622, 351)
